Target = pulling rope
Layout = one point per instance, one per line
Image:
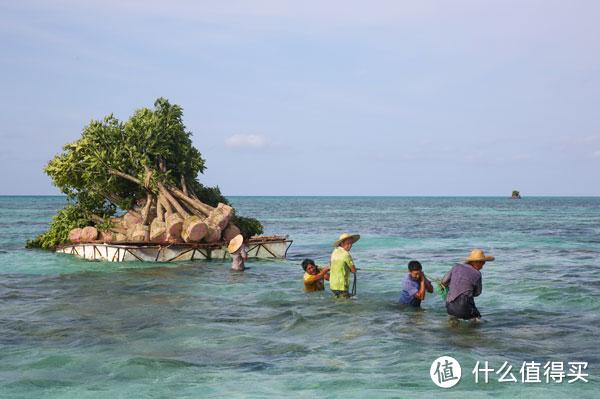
(382, 270)
(353, 292)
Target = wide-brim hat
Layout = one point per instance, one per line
(477, 255)
(345, 236)
(235, 243)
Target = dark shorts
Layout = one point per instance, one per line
(341, 294)
(463, 307)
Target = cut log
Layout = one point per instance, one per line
(194, 229)
(89, 234)
(193, 211)
(201, 206)
(75, 235)
(158, 231)
(140, 233)
(220, 216)
(120, 237)
(107, 236)
(174, 226)
(130, 219)
(230, 231)
(146, 211)
(184, 186)
(172, 201)
(160, 210)
(213, 234)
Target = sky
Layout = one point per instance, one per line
(318, 97)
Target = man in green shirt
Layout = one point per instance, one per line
(342, 265)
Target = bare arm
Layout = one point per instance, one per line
(319, 276)
(421, 293)
(324, 273)
(446, 280)
(428, 285)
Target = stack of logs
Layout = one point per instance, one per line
(172, 216)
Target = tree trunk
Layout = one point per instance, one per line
(158, 227)
(174, 226)
(89, 234)
(202, 207)
(184, 186)
(146, 210)
(140, 232)
(172, 201)
(75, 235)
(220, 216)
(213, 234)
(194, 229)
(107, 236)
(230, 231)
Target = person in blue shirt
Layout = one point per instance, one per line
(415, 285)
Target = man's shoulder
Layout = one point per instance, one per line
(309, 277)
(410, 282)
(340, 253)
(468, 269)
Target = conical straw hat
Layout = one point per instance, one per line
(354, 237)
(477, 255)
(235, 243)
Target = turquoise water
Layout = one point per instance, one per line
(76, 329)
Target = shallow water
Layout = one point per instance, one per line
(70, 328)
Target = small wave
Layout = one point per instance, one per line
(160, 363)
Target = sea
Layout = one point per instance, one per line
(71, 328)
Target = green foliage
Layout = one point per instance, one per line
(248, 226)
(67, 219)
(151, 140)
(209, 195)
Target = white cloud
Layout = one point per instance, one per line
(596, 154)
(246, 141)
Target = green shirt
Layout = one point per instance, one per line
(341, 262)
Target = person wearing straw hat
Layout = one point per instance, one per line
(238, 252)
(464, 283)
(342, 265)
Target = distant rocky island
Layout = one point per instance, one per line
(516, 195)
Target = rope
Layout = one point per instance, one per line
(382, 270)
(353, 292)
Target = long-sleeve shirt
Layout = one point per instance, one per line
(410, 288)
(462, 279)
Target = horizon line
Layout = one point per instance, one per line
(355, 196)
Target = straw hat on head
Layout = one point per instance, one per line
(235, 243)
(354, 237)
(477, 255)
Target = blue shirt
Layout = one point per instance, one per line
(410, 287)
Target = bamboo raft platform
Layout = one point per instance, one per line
(260, 247)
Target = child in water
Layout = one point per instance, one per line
(415, 285)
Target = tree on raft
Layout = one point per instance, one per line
(137, 182)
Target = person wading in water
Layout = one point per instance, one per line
(314, 278)
(239, 253)
(342, 265)
(464, 283)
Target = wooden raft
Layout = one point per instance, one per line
(260, 247)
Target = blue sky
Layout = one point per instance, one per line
(318, 98)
